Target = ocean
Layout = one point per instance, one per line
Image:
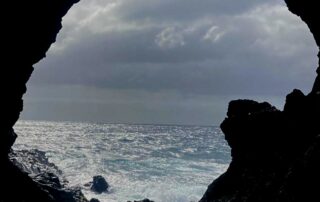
(164, 163)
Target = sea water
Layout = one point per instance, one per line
(164, 163)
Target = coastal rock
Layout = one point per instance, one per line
(45, 175)
(6, 142)
(33, 161)
(99, 184)
(275, 154)
(48, 179)
(144, 200)
(246, 107)
(94, 200)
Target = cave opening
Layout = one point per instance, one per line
(129, 63)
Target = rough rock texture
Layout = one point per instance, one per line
(275, 154)
(28, 29)
(46, 175)
(99, 184)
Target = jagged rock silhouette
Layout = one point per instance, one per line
(275, 154)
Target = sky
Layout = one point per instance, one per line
(170, 61)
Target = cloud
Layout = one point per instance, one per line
(213, 34)
(112, 45)
(190, 47)
(169, 38)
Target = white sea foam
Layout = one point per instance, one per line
(162, 163)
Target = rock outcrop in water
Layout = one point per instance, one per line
(28, 29)
(275, 154)
(98, 184)
(144, 200)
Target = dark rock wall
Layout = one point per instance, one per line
(275, 154)
(28, 28)
(308, 11)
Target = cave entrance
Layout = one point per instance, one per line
(141, 86)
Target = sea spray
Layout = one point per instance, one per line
(160, 162)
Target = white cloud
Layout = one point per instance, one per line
(170, 38)
(277, 30)
(214, 34)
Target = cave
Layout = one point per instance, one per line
(274, 153)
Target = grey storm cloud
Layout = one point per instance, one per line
(170, 61)
(184, 45)
(182, 10)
